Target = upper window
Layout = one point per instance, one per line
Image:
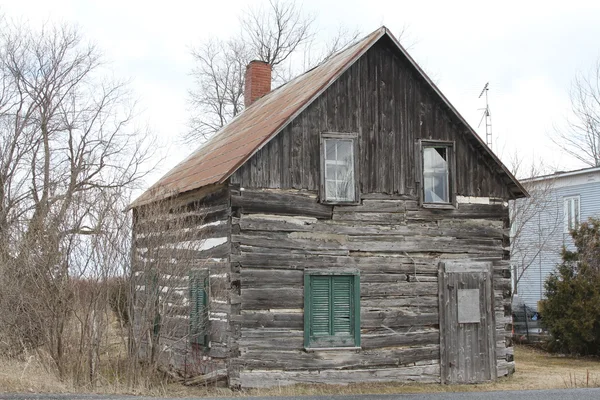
(571, 213)
(331, 310)
(437, 171)
(199, 307)
(338, 175)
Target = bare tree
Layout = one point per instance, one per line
(534, 221)
(69, 156)
(218, 95)
(281, 34)
(273, 35)
(581, 136)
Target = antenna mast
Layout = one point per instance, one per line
(487, 116)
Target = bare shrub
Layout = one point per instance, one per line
(69, 156)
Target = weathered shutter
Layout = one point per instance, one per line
(320, 321)
(332, 317)
(342, 305)
(198, 307)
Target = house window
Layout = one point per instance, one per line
(571, 213)
(338, 168)
(331, 310)
(437, 171)
(198, 307)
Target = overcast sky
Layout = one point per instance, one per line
(528, 51)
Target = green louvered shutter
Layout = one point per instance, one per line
(332, 310)
(198, 307)
(342, 306)
(320, 321)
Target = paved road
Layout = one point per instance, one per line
(564, 394)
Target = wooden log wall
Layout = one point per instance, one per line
(395, 244)
(390, 107)
(169, 240)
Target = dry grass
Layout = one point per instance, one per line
(535, 370)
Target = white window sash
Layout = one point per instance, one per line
(572, 212)
(339, 184)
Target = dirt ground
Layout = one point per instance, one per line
(535, 370)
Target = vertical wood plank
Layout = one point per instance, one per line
(443, 307)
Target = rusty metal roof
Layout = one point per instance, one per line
(250, 130)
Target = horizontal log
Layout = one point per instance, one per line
(384, 277)
(385, 244)
(425, 302)
(365, 264)
(476, 211)
(381, 218)
(373, 284)
(374, 341)
(208, 378)
(396, 318)
(180, 255)
(254, 201)
(398, 289)
(374, 206)
(273, 319)
(261, 379)
(237, 248)
(268, 223)
(188, 219)
(264, 299)
(290, 241)
(271, 277)
(202, 232)
(343, 360)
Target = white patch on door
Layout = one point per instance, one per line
(468, 306)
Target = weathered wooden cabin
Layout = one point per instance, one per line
(352, 227)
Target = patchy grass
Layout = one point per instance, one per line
(536, 369)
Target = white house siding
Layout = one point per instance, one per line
(548, 227)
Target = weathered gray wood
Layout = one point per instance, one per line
(467, 349)
(257, 379)
(280, 203)
(273, 319)
(334, 359)
(374, 341)
(333, 242)
(392, 108)
(264, 299)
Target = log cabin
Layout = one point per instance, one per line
(358, 233)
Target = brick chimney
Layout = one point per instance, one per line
(258, 81)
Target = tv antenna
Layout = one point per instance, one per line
(487, 116)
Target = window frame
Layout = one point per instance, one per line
(200, 339)
(309, 343)
(322, 187)
(451, 158)
(566, 206)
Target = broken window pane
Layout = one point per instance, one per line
(339, 170)
(436, 175)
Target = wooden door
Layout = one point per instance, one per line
(467, 323)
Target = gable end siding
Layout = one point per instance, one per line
(384, 100)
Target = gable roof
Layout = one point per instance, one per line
(250, 130)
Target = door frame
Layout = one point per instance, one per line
(466, 266)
